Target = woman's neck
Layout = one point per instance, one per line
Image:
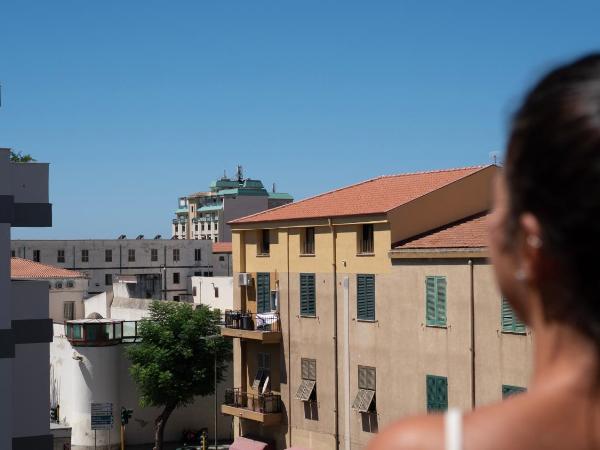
(563, 355)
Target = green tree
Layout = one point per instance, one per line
(174, 362)
(20, 157)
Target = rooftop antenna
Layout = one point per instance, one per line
(224, 174)
(494, 157)
(273, 188)
(240, 173)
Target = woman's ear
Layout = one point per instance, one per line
(530, 247)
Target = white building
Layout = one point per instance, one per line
(25, 326)
(89, 364)
(216, 292)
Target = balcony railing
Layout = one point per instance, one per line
(261, 403)
(240, 320)
(264, 327)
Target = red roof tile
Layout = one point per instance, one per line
(25, 269)
(470, 232)
(374, 196)
(222, 247)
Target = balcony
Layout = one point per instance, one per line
(263, 408)
(262, 327)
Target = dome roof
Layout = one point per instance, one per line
(94, 315)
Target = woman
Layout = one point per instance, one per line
(544, 242)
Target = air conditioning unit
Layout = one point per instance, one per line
(244, 279)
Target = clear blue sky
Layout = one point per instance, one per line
(137, 102)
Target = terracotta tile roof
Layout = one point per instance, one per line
(470, 232)
(375, 196)
(222, 247)
(25, 269)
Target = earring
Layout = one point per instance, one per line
(520, 275)
(534, 241)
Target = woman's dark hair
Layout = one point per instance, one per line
(553, 171)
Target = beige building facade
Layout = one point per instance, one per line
(367, 304)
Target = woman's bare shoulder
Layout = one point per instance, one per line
(420, 432)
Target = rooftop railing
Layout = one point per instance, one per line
(244, 320)
(103, 332)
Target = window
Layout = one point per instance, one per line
(264, 242)
(508, 390)
(435, 303)
(365, 398)
(307, 391)
(36, 255)
(176, 298)
(365, 244)
(131, 255)
(108, 255)
(197, 254)
(85, 256)
(263, 292)
(510, 321)
(261, 380)
(60, 256)
(175, 254)
(154, 254)
(108, 279)
(365, 297)
(202, 226)
(69, 310)
(175, 277)
(216, 292)
(437, 393)
(209, 227)
(308, 242)
(13, 253)
(307, 295)
(221, 258)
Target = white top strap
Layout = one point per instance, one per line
(453, 429)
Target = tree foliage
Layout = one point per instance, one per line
(20, 157)
(174, 362)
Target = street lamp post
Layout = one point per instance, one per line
(208, 338)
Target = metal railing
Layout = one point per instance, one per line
(244, 320)
(267, 403)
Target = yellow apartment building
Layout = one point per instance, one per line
(362, 305)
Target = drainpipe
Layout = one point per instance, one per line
(289, 324)
(335, 337)
(472, 334)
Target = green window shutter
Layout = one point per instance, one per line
(435, 301)
(508, 390)
(263, 292)
(430, 300)
(365, 297)
(441, 300)
(307, 294)
(437, 393)
(510, 322)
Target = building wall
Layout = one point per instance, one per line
(205, 290)
(399, 344)
(234, 208)
(25, 328)
(58, 297)
(97, 267)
